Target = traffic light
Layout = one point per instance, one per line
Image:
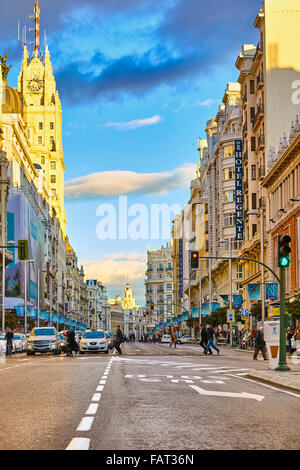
(194, 259)
(152, 306)
(283, 251)
(22, 250)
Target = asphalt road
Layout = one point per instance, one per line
(150, 398)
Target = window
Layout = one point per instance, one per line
(40, 126)
(43, 159)
(206, 227)
(40, 140)
(53, 191)
(53, 179)
(169, 286)
(229, 151)
(239, 271)
(254, 229)
(252, 87)
(169, 298)
(253, 201)
(252, 114)
(229, 220)
(53, 165)
(253, 144)
(253, 172)
(206, 245)
(229, 196)
(206, 208)
(51, 126)
(229, 173)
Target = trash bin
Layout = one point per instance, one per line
(272, 334)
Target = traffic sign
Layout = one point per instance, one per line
(245, 314)
(230, 316)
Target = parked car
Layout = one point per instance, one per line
(185, 339)
(166, 339)
(43, 340)
(93, 341)
(19, 345)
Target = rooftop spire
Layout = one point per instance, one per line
(36, 17)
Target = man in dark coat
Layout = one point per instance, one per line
(119, 340)
(72, 345)
(204, 339)
(260, 344)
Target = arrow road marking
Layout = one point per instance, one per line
(201, 391)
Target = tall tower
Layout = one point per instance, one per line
(43, 117)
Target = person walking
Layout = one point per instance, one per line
(260, 344)
(119, 340)
(9, 341)
(204, 339)
(210, 342)
(173, 339)
(72, 345)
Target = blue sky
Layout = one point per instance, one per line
(138, 80)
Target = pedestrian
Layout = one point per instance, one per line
(71, 342)
(210, 341)
(9, 341)
(289, 336)
(203, 339)
(260, 344)
(119, 340)
(297, 339)
(173, 339)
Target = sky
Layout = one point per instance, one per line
(138, 80)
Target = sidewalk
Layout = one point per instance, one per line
(289, 379)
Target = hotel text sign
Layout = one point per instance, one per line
(239, 222)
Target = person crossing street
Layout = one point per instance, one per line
(210, 343)
(260, 344)
(119, 340)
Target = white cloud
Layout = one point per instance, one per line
(134, 124)
(113, 270)
(115, 183)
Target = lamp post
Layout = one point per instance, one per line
(3, 282)
(262, 255)
(25, 291)
(230, 280)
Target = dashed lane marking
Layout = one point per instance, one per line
(92, 409)
(85, 424)
(79, 443)
(96, 397)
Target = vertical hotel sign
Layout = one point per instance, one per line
(180, 268)
(239, 200)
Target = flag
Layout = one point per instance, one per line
(254, 291)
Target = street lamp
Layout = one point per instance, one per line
(263, 296)
(25, 292)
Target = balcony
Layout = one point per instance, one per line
(260, 142)
(245, 99)
(245, 157)
(245, 128)
(259, 81)
(258, 116)
(261, 203)
(261, 172)
(246, 210)
(245, 185)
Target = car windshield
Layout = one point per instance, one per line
(43, 332)
(94, 334)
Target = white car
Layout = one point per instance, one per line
(43, 340)
(19, 344)
(166, 339)
(93, 341)
(185, 339)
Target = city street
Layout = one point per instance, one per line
(179, 398)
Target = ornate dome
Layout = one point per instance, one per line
(11, 103)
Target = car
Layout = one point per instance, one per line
(166, 339)
(19, 345)
(185, 339)
(93, 341)
(43, 340)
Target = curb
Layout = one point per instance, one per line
(249, 351)
(279, 381)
